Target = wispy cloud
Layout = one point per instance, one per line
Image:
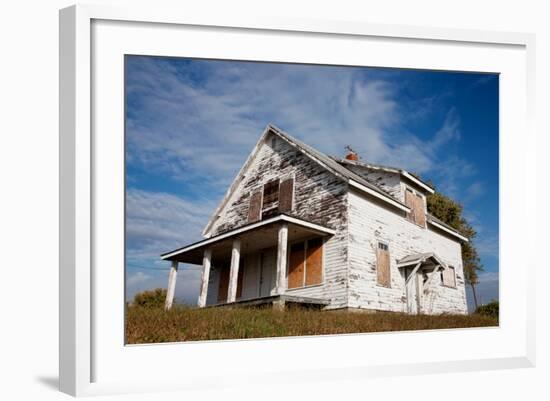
(475, 190)
(488, 245)
(137, 278)
(179, 122)
(157, 222)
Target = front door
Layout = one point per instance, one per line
(412, 290)
(268, 260)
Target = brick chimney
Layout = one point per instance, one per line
(351, 154)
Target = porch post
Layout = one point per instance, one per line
(171, 285)
(234, 272)
(282, 244)
(206, 262)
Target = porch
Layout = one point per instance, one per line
(251, 263)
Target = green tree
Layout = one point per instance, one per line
(150, 299)
(490, 309)
(450, 212)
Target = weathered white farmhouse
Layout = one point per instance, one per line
(297, 226)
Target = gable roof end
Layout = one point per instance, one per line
(319, 157)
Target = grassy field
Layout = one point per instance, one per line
(154, 325)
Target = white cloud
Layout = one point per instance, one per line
(450, 130)
(474, 191)
(181, 123)
(488, 245)
(137, 278)
(158, 222)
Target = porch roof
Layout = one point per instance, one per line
(416, 258)
(253, 236)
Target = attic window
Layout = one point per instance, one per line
(415, 201)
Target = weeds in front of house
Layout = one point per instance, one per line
(155, 325)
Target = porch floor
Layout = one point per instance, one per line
(277, 301)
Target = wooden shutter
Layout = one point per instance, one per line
(383, 276)
(223, 285)
(255, 207)
(419, 215)
(286, 194)
(314, 261)
(410, 202)
(296, 265)
(449, 279)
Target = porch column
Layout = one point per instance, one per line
(171, 285)
(205, 276)
(234, 272)
(280, 286)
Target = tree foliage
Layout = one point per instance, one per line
(450, 212)
(491, 309)
(150, 299)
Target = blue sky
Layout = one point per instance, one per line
(190, 124)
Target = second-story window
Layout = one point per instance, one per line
(270, 204)
(272, 198)
(271, 195)
(415, 201)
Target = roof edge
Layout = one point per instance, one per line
(445, 227)
(395, 170)
(247, 227)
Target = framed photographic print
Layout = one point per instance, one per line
(280, 190)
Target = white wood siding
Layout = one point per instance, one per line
(370, 223)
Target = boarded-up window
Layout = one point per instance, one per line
(383, 276)
(271, 194)
(449, 277)
(255, 207)
(223, 285)
(305, 266)
(286, 194)
(416, 202)
(296, 265)
(314, 261)
(419, 212)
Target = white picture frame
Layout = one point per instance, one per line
(91, 359)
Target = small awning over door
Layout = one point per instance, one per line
(429, 258)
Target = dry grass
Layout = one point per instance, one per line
(154, 325)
